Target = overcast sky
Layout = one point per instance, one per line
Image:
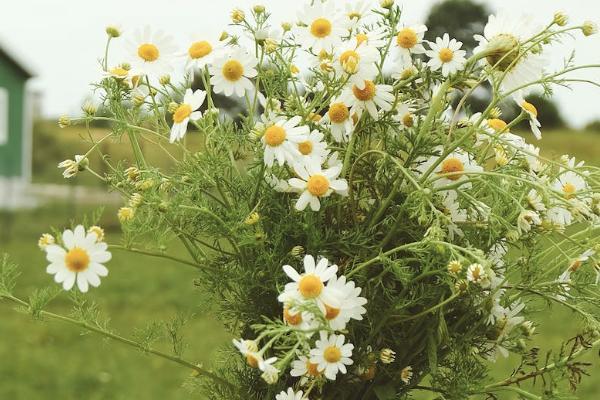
(61, 40)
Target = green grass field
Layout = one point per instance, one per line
(50, 360)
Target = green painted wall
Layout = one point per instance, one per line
(11, 153)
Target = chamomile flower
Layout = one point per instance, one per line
(405, 115)
(452, 169)
(476, 273)
(406, 375)
(409, 40)
(503, 39)
(310, 285)
(279, 185)
(532, 113)
(186, 111)
(339, 120)
(574, 266)
(290, 395)
(315, 183)
(320, 29)
(249, 349)
(281, 141)
(231, 72)
(372, 37)
(332, 355)
(151, 53)
(570, 183)
(81, 259)
(355, 13)
(527, 219)
(313, 149)
(304, 368)
(200, 53)
(356, 61)
(535, 200)
(301, 320)
(371, 98)
(351, 303)
(447, 55)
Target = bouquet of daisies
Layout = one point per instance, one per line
(356, 226)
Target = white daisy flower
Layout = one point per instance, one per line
(231, 72)
(370, 98)
(454, 168)
(357, 61)
(569, 184)
(315, 183)
(249, 349)
(200, 53)
(504, 35)
(406, 375)
(565, 277)
(279, 185)
(310, 285)
(351, 303)
(447, 55)
(531, 154)
(304, 368)
(301, 320)
(355, 13)
(532, 113)
(373, 37)
(404, 68)
(331, 355)
(476, 273)
(409, 41)
(188, 110)
(72, 167)
(81, 259)
(404, 115)
(535, 200)
(150, 53)
(560, 216)
(281, 141)
(290, 395)
(320, 29)
(313, 149)
(527, 219)
(339, 120)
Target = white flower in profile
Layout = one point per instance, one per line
(331, 355)
(452, 169)
(409, 40)
(254, 358)
(339, 120)
(315, 183)
(535, 200)
(371, 98)
(304, 368)
(570, 183)
(310, 285)
(503, 38)
(290, 395)
(404, 115)
(81, 259)
(531, 112)
(527, 219)
(375, 37)
(270, 373)
(447, 55)
(151, 53)
(281, 141)
(231, 72)
(356, 12)
(559, 216)
(406, 374)
(352, 305)
(574, 266)
(188, 110)
(357, 61)
(313, 149)
(72, 167)
(321, 28)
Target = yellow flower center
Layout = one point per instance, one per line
(408, 120)
(454, 167)
(338, 113)
(274, 135)
(497, 124)
(305, 147)
(311, 369)
(199, 49)
(148, 52)
(332, 354)
(361, 38)
(310, 286)
(365, 94)
(320, 28)
(233, 70)
(446, 55)
(120, 72)
(349, 60)
(354, 15)
(476, 274)
(575, 265)
(407, 38)
(182, 112)
(331, 312)
(77, 260)
(530, 108)
(252, 361)
(569, 190)
(292, 319)
(317, 185)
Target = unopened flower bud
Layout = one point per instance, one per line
(45, 240)
(387, 356)
(286, 26)
(560, 18)
(98, 231)
(64, 121)
(258, 9)
(224, 36)
(89, 108)
(164, 80)
(172, 107)
(113, 31)
(270, 45)
(454, 267)
(589, 28)
(136, 200)
(125, 214)
(132, 173)
(237, 16)
(297, 251)
(386, 3)
(252, 219)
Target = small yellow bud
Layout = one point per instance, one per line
(237, 16)
(172, 107)
(294, 69)
(386, 3)
(258, 9)
(454, 267)
(286, 26)
(125, 214)
(495, 113)
(89, 108)
(589, 28)
(98, 231)
(252, 219)
(560, 18)
(164, 80)
(113, 31)
(461, 286)
(270, 45)
(136, 200)
(146, 184)
(64, 121)
(224, 36)
(132, 174)
(297, 251)
(387, 356)
(45, 240)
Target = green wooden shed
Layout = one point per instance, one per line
(15, 129)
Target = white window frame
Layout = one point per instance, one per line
(3, 116)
